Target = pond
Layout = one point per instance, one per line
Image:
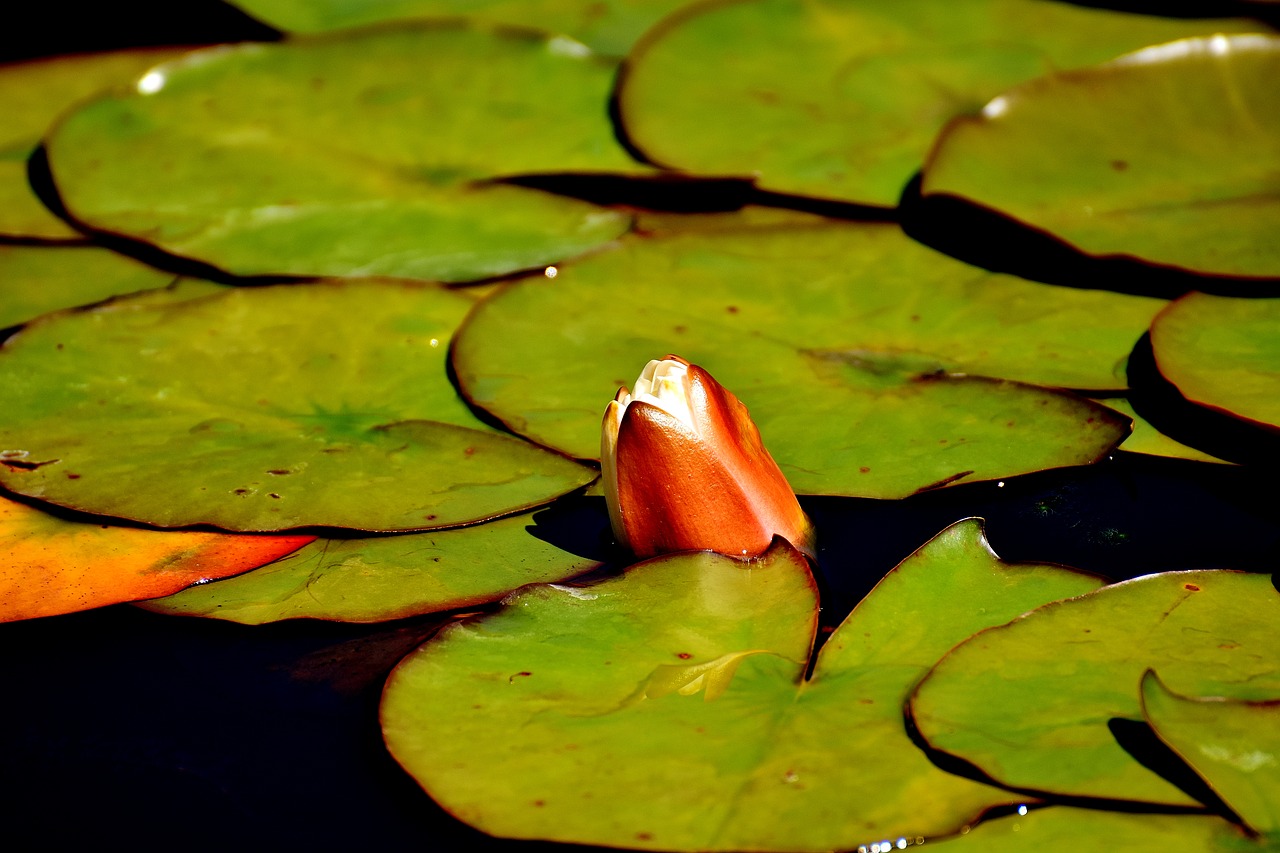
(949, 389)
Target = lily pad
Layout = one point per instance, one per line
(1233, 745)
(263, 409)
(833, 336)
(1029, 703)
(35, 280)
(32, 94)
(1169, 155)
(1068, 830)
(391, 577)
(360, 153)
(606, 26)
(1149, 440)
(677, 695)
(1223, 353)
(53, 565)
(843, 98)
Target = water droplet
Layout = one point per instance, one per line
(151, 82)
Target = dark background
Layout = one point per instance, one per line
(120, 727)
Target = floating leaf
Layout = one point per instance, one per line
(842, 98)
(1234, 746)
(1149, 440)
(52, 565)
(262, 409)
(1168, 154)
(31, 96)
(35, 280)
(1223, 353)
(606, 26)
(838, 338)
(675, 696)
(1068, 830)
(1029, 703)
(364, 153)
(378, 579)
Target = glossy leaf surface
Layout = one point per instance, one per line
(1170, 154)
(362, 153)
(35, 280)
(1232, 745)
(1223, 353)
(377, 579)
(1029, 703)
(676, 695)
(263, 409)
(32, 94)
(843, 98)
(833, 337)
(606, 26)
(52, 565)
(1149, 440)
(1068, 830)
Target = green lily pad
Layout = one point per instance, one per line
(1068, 830)
(843, 98)
(35, 280)
(1223, 353)
(1233, 745)
(1029, 703)
(1168, 155)
(842, 339)
(676, 695)
(606, 26)
(363, 153)
(262, 409)
(392, 577)
(1149, 440)
(32, 94)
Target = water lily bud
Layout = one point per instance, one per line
(684, 469)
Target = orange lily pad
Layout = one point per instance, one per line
(53, 565)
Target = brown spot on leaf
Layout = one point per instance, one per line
(683, 655)
(1119, 165)
(864, 470)
(1191, 587)
(513, 678)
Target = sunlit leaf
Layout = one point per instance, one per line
(35, 280)
(1149, 440)
(1029, 703)
(1169, 154)
(1223, 353)
(362, 153)
(32, 94)
(667, 708)
(841, 339)
(1233, 745)
(843, 98)
(263, 409)
(52, 565)
(606, 26)
(1068, 830)
(377, 579)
